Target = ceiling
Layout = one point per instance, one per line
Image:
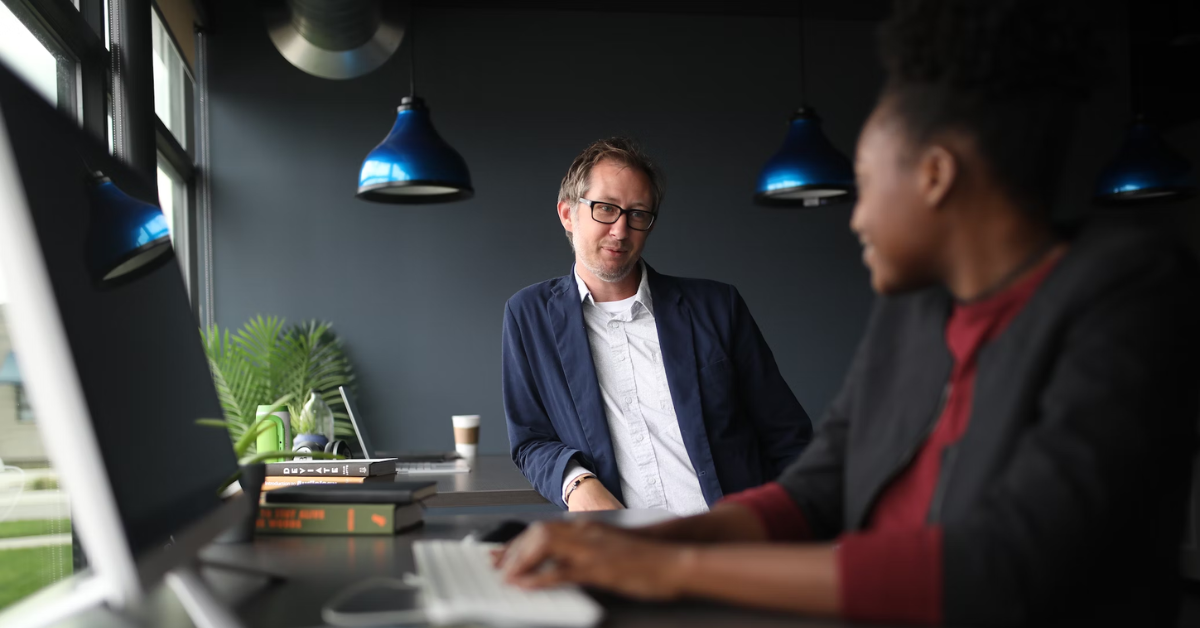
(1164, 35)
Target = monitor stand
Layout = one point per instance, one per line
(235, 583)
(205, 610)
(208, 603)
(84, 592)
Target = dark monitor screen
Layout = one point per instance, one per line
(136, 347)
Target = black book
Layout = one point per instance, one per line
(319, 468)
(381, 493)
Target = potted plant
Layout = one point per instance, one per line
(270, 363)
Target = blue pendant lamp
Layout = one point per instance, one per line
(413, 164)
(127, 238)
(1146, 170)
(807, 171)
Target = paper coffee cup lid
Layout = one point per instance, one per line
(465, 420)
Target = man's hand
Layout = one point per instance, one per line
(591, 495)
(591, 553)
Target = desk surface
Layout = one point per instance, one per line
(318, 567)
(493, 481)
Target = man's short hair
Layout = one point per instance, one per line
(622, 150)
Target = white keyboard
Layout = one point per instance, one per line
(460, 585)
(416, 468)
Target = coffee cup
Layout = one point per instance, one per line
(466, 434)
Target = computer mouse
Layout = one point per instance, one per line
(503, 532)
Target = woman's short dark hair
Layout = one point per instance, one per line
(1009, 73)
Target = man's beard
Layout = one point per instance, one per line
(606, 276)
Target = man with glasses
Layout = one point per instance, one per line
(626, 387)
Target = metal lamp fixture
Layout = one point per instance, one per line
(335, 39)
(127, 238)
(807, 171)
(1145, 170)
(413, 164)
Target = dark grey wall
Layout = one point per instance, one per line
(417, 292)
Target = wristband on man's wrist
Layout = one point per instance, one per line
(574, 485)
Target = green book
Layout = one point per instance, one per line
(337, 518)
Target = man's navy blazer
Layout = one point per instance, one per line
(740, 422)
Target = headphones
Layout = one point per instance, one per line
(309, 443)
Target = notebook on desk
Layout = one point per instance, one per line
(412, 463)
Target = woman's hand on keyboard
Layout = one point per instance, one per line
(595, 554)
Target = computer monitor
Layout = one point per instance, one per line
(116, 372)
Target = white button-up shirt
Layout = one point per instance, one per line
(655, 469)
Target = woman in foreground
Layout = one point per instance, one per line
(1012, 442)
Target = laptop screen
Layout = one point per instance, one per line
(364, 441)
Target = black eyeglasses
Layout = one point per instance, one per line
(607, 213)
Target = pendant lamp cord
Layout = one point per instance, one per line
(1135, 59)
(86, 165)
(412, 49)
(803, 57)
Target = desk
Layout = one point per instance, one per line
(493, 481)
(317, 567)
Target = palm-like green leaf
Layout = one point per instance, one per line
(234, 383)
(268, 362)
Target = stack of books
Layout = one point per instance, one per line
(304, 472)
(344, 508)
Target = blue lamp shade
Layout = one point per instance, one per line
(127, 238)
(1145, 170)
(414, 164)
(9, 373)
(807, 171)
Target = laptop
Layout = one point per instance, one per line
(446, 462)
